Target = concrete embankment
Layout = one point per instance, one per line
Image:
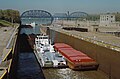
(107, 58)
(8, 38)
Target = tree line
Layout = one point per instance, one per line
(117, 16)
(10, 15)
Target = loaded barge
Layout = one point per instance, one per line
(76, 60)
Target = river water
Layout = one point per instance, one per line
(29, 68)
(36, 20)
(67, 73)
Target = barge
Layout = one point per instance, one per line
(76, 60)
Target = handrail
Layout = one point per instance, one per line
(11, 38)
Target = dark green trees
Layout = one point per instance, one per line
(10, 15)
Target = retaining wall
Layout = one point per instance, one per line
(109, 60)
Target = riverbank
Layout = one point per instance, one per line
(8, 38)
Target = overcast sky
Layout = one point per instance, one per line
(56, 6)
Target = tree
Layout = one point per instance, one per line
(117, 15)
(93, 17)
(1, 14)
(10, 15)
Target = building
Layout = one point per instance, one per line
(107, 19)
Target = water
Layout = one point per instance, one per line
(28, 67)
(67, 73)
(36, 20)
(35, 30)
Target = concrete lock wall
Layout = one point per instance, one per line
(109, 60)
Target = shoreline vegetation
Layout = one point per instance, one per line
(9, 17)
(4, 23)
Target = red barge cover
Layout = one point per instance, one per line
(74, 56)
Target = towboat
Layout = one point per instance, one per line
(45, 53)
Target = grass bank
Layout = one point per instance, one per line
(4, 23)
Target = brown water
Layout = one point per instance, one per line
(67, 73)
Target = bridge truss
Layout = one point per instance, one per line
(37, 14)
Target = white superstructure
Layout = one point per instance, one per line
(46, 54)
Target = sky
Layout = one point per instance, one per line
(62, 6)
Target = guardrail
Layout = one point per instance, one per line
(12, 36)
